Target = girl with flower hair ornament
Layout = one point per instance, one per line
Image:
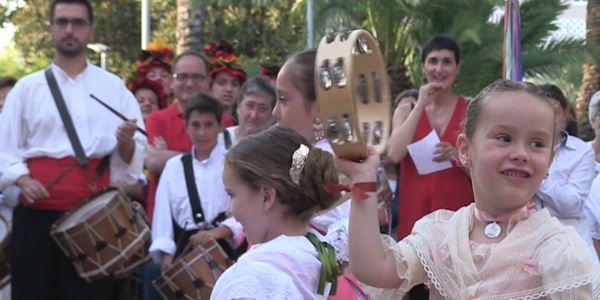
(155, 64)
(226, 77)
(149, 94)
(498, 247)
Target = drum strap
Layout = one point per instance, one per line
(190, 182)
(227, 139)
(82, 160)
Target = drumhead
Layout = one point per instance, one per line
(84, 212)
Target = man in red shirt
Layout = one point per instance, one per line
(167, 136)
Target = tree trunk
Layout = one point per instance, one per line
(590, 82)
(189, 26)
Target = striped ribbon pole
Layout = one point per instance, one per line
(511, 52)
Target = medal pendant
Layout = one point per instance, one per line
(492, 230)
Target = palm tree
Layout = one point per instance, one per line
(591, 71)
(189, 25)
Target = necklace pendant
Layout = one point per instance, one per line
(492, 230)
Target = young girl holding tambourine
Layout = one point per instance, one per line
(498, 247)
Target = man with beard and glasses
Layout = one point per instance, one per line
(39, 157)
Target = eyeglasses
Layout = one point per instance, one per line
(75, 22)
(194, 77)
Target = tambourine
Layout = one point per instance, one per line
(353, 93)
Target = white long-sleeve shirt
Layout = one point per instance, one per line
(566, 188)
(31, 125)
(172, 200)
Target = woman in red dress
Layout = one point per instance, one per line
(438, 109)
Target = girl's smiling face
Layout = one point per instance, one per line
(510, 151)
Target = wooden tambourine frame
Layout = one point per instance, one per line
(353, 93)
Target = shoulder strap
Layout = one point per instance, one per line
(227, 139)
(66, 118)
(190, 182)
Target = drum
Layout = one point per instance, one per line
(4, 252)
(135, 263)
(102, 234)
(194, 275)
(353, 93)
(141, 257)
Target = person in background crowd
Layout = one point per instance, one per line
(592, 205)
(403, 104)
(149, 94)
(271, 72)
(565, 189)
(155, 64)
(9, 195)
(254, 105)
(168, 137)
(6, 84)
(150, 97)
(297, 108)
(35, 141)
(440, 111)
(173, 220)
(226, 77)
(437, 109)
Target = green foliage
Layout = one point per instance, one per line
(164, 20)
(334, 14)
(32, 41)
(467, 22)
(111, 17)
(7, 8)
(266, 31)
(261, 34)
(404, 26)
(11, 64)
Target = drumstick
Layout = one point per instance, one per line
(117, 113)
(60, 176)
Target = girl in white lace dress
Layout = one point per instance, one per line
(275, 180)
(497, 248)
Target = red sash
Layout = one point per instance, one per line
(72, 188)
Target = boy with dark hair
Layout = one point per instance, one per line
(195, 209)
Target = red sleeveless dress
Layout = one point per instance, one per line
(419, 195)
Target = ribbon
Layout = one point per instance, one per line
(359, 190)
(329, 269)
(484, 217)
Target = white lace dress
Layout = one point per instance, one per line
(285, 268)
(539, 259)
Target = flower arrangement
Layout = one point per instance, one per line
(222, 59)
(157, 54)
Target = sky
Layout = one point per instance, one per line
(6, 35)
